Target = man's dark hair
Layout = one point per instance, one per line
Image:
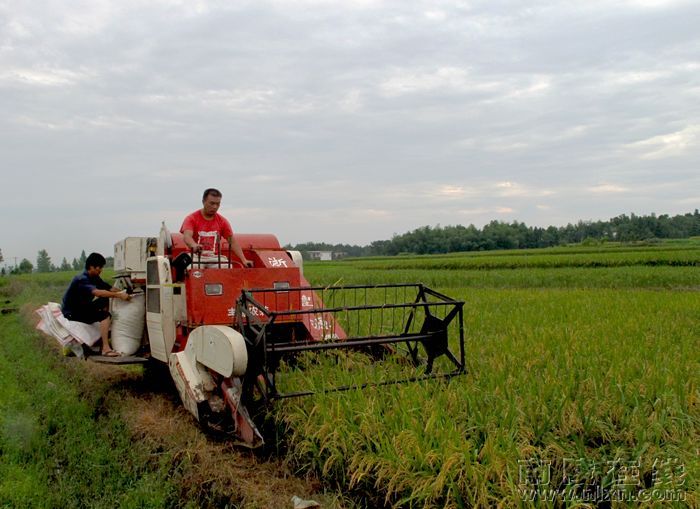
(95, 260)
(211, 191)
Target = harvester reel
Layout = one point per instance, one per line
(359, 319)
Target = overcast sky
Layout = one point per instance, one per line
(341, 121)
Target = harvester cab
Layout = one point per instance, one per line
(230, 334)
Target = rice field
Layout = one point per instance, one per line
(582, 386)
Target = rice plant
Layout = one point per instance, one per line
(575, 392)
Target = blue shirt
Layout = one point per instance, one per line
(79, 295)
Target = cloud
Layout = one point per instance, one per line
(607, 189)
(512, 189)
(265, 179)
(452, 191)
(93, 124)
(536, 85)
(626, 78)
(667, 145)
(346, 121)
(408, 81)
(351, 101)
(475, 212)
(655, 4)
(43, 77)
(435, 15)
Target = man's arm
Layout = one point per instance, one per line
(236, 248)
(114, 293)
(188, 236)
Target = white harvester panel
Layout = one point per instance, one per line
(219, 348)
(297, 259)
(130, 257)
(160, 307)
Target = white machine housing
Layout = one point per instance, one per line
(209, 347)
(130, 257)
(166, 307)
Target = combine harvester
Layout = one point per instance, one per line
(229, 334)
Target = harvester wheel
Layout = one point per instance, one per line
(156, 376)
(215, 424)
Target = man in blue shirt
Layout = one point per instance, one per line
(86, 299)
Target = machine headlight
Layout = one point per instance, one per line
(214, 289)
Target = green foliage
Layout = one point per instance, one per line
(347, 249)
(43, 261)
(65, 266)
(516, 235)
(24, 267)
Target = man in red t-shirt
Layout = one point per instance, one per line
(203, 228)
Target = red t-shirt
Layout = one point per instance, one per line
(207, 232)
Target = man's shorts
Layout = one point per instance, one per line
(96, 312)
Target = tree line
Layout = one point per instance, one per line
(458, 238)
(44, 264)
(517, 235)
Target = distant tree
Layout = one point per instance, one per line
(2, 271)
(501, 235)
(81, 261)
(43, 261)
(1, 258)
(25, 266)
(65, 266)
(76, 264)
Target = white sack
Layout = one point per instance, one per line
(55, 324)
(128, 320)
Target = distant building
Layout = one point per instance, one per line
(325, 256)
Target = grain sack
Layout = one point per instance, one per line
(128, 319)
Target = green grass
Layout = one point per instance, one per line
(61, 443)
(571, 365)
